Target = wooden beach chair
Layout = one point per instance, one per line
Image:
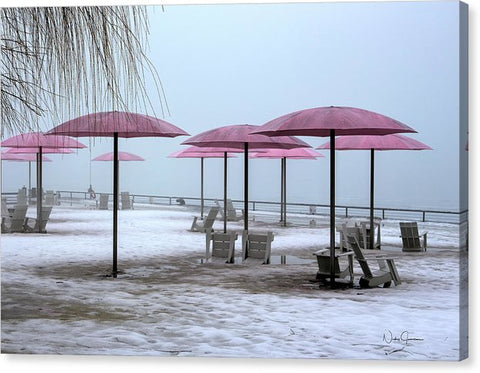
(231, 211)
(103, 205)
(220, 245)
(257, 246)
(5, 212)
(33, 225)
(22, 196)
(343, 265)
(15, 222)
(411, 239)
(208, 222)
(387, 269)
(365, 234)
(126, 201)
(49, 198)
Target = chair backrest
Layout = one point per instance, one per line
(210, 219)
(257, 245)
(126, 202)
(103, 201)
(22, 196)
(352, 235)
(46, 210)
(18, 218)
(409, 232)
(49, 198)
(222, 245)
(5, 213)
(220, 208)
(231, 211)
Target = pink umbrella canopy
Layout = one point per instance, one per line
(204, 152)
(344, 120)
(387, 142)
(332, 121)
(28, 157)
(372, 143)
(44, 150)
(38, 139)
(235, 136)
(183, 154)
(117, 124)
(122, 156)
(125, 124)
(240, 136)
(298, 153)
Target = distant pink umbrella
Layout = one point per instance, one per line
(44, 150)
(34, 151)
(7, 156)
(283, 154)
(372, 143)
(241, 137)
(202, 153)
(122, 156)
(39, 141)
(117, 124)
(332, 121)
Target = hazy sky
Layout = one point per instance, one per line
(247, 64)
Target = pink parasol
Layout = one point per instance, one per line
(332, 121)
(124, 124)
(298, 153)
(44, 150)
(8, 156)
(283, 155)
(202, 153)
(37, 141)
(241, 137)
(117, 124)
(372, 143)
(122, 156)
(41, 140)
(31, 151)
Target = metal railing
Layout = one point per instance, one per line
(442, 216)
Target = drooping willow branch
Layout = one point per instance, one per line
(64, 61)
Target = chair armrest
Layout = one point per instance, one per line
(346, 253)
(321, 251)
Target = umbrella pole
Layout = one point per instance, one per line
(284, 191)
(115, 202)
(39, 189)
(332, 207)
(201, 188)
(225, 192)
(281, 190)
(372, 179)
(29, 182)
(245, 187)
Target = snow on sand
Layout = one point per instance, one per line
(57, 299)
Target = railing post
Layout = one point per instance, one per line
(253, 205)
(346, 212)
(71, 199)
(169, 200)
(424, 216)
(383, 214)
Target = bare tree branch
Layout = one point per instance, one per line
(65, 61)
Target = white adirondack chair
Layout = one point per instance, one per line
(257, 246)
